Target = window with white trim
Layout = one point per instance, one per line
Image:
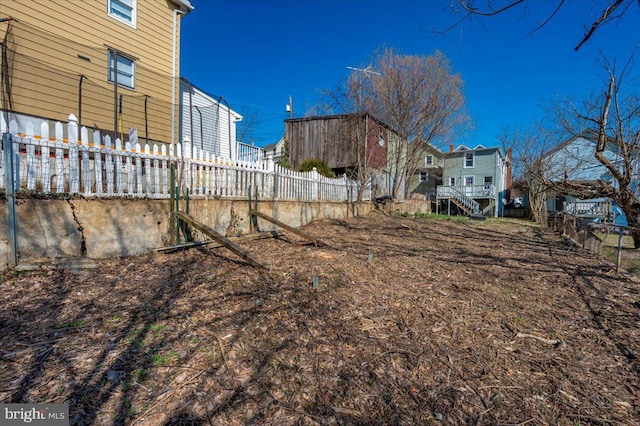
(126, 70)
(452, 181)
(487, 181)
(469, 180)
(123, 10)
(469, 160)
(428, 161)
(424, 176)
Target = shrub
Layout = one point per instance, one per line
(321, 167)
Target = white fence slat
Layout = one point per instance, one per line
(138, 170)
(128, 168)
(118, 167)
(83, 164)
(45, 157)
(97, 161)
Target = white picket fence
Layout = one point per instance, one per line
(96, 166)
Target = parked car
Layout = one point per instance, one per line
(514, 203)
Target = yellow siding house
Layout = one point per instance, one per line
(63, 57)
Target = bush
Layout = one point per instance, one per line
(321, 167)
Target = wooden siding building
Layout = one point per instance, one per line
(346, 141)
(63, 57)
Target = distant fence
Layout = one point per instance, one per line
(611, 241)
(93, 165)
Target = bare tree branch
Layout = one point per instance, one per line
(491, 12)
(599, 22)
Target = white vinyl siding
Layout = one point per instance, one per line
(126, 70)
(210, 125)
(123, 10)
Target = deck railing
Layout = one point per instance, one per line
(472, 191)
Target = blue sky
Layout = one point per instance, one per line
(257, 53)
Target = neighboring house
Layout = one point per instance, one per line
(574, 161)
(338, 139)
(476, 180)
(275, 150)
(208, 121)
(428, 176)
(347, 142)
(65, 57)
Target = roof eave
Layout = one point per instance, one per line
(184, 5)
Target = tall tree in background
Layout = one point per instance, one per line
(610, 10)
(422, 100)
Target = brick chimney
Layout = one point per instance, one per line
(450, 147)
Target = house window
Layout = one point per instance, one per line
(424, 176)
(468, 181)
(123, 10)
(126, 70)
(488, 180)
(468, 160)
(452, 181)
(428, 160)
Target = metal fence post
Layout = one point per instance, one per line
(10, 192)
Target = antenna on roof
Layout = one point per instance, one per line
(368, 71)
(289, 107)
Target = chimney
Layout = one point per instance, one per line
(450, 147)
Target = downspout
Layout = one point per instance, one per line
(173, 75)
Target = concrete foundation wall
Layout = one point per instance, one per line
(115, 227)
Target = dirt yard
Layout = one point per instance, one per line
(413, 322)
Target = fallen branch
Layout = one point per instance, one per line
(540, 339)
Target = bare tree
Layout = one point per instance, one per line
(614, 117)
(349, 99)
(532, 166)
(421, 99)
(610, 10)
(247, 129)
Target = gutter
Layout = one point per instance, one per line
(174, 74)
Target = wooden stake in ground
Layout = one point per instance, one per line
(244, 254)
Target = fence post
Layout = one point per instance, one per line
(276, 182)
(10, 192)
(619, 257)
(315, 190)
(74, 163)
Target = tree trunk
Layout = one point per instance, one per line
(632, 220)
